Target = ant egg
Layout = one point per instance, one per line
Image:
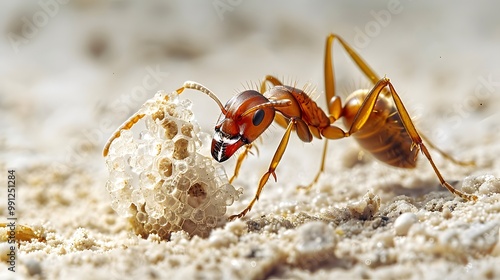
(162, 179)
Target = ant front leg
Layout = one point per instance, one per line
(279, 119)
(365, 111)
(271, 171)
(240, 160)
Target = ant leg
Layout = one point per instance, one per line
(269, 78)
(333, 101)
(271, 171)
(446, 155)
(240, 160)
(365, 112)
(128, 124)
(279, 119)
(329, 72)
(321, 169)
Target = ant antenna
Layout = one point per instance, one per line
(205, 90)
(273, 103)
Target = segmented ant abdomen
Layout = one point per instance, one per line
(383, 135)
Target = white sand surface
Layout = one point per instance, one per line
(72, 72)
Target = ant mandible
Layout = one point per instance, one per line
(381, 127)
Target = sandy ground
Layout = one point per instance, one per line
(73, 72)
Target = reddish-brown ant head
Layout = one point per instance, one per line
(247, 115)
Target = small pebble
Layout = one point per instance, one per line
(315, 236)
(33, 267)
(404, 222)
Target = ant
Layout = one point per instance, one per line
(381, 127)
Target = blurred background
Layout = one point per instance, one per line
(72, 71)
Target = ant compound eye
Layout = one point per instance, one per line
(258, 117)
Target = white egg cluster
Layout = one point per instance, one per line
(161, 180)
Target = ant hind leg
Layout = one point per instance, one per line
(445, 154)
(365, 111)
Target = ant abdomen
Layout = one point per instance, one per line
(383, 135)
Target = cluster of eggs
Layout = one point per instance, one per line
(163, 180)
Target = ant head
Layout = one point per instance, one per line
(246, 116)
